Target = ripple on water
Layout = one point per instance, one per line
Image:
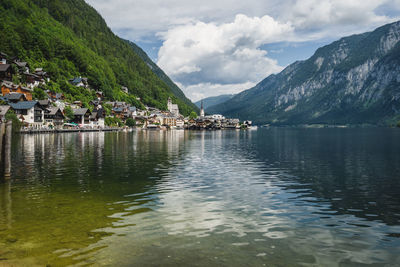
(206, 198)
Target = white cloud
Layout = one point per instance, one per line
(143, 18)
(205, 44)
(315, 19)
(202, 90)
(229, 53)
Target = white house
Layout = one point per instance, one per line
(30, 112)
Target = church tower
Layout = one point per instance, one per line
(202, 110)
(169, 104)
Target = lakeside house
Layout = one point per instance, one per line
(97, 118)
(54, 117)
(82, 116)
(29, 112)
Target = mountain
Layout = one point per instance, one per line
(161, 74)
(213, 100)
(355, 80)
(70, 39)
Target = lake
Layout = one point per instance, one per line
(272, 197)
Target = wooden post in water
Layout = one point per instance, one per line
(7, 151)
(2, 131)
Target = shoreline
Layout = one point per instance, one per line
(39, 131)
(49, 131)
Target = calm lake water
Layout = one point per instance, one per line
(272, 197)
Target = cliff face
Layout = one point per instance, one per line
(351, 81)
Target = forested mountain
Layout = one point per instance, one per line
(161, 74)
(213, 100)
(68, 38)
(355, 80)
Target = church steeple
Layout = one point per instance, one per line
(202, 109)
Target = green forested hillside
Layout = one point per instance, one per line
(161, 74)
(69, 38)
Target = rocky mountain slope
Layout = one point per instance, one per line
(355, 80)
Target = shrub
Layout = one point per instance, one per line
(130, 122)
(69, 113)
(16, 123)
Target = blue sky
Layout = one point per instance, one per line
(211, 47)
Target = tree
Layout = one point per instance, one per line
(114, 122)
(193, 115)
(39, 94)
(107, 108)
(130, 122)
(16, 123)
(69, 113)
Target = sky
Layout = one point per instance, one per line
(214, 47)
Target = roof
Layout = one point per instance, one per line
(100, 113)
(45, 102)
(77, 80)
(53, 111)
(93, 115)
(3, 110)
(31, 74)
(14, 86)
(118, 109)
(7, 83)
(4, 67)
(80, 111)
(132, 109)
(21, 64)
(23, 105)
(14, 96)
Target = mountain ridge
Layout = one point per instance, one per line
(213, 100)
(354, 80)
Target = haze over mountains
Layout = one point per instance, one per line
(213, 100)
(355, 80)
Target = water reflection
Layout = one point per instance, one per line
(313, 197)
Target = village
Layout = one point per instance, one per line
(55, 113)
